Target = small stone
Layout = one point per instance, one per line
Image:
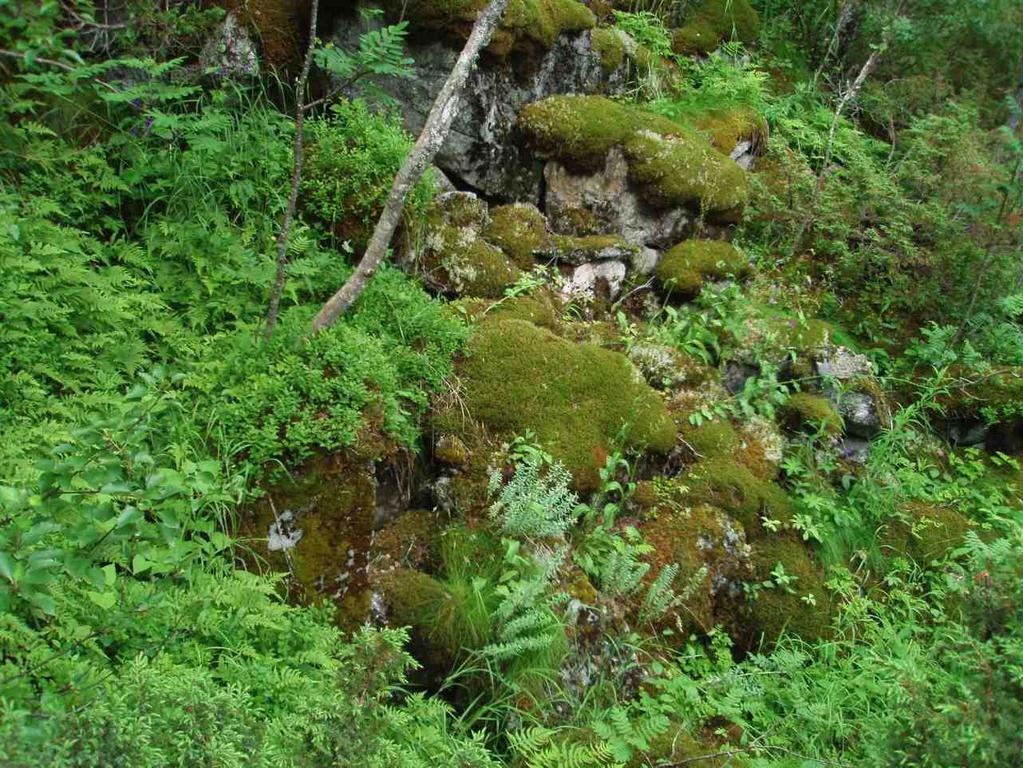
(843, 364)
(859, 412)
(451, 450)
(589, 280)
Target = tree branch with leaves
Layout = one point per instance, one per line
(435, 131)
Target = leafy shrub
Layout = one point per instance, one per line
(301, 394)
(352, 159)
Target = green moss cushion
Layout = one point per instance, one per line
(714, 21)
(804, 409)
(520, 230)
(575, 398)
(684, 169)
(525, 22)
(803, 606)
(686, 267)
(581, 130)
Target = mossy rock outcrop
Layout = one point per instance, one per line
(580, 130)
(459, 261)
(526, 23)
(541, 308)
(684, 269)
(678, 746)
(729, 127)
(804, 410)
(576, 398)
(710, 550)
(457, 258)
(801, 607)
(715, 21)
(684, 169)
(318, 527)
(671, 165)
(722, 482)
(609, 44)
(520, 230)
(276, 23)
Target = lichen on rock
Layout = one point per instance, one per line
(520, 230)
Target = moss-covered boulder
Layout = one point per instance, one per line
(580, 130)
(459, 261)
(684, 269)
(710, 550)
(926, 533)
(456, 257)
(722, 482)
(617, 169)
(526, 24)
(790, 594)
(576, 398)
(317, 526)
(672, 164)
(520, 230)
(678, 746)
(714, 21)
(730, 128)
(409, 541)
(805, 410)
(609, 45)
(684, 169)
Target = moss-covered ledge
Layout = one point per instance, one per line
(685, 268)
(672, 164)
(576, 398)
(526, 23)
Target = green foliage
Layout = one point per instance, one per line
(352, 158)
(299, 395)
(129, 638)
(381, 53)
(536, 503)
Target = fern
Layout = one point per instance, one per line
(660, 595)
(541, 747)
(536, 503)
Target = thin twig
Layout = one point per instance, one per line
(296, 179)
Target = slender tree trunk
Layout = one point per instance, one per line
(296, 178)
(435, 130)
(847, 98)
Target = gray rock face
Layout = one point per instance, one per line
(230, 51)
(610, 205)
(843, 364)
(860, 414)
(857, 405)
(483, 150)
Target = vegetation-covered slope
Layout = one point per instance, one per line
(553, 492)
